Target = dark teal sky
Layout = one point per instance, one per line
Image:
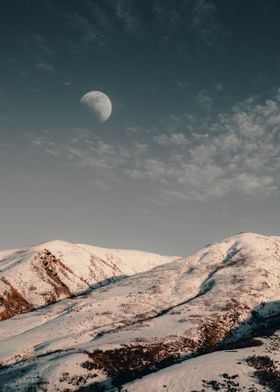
(191, 152)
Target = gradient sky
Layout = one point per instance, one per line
(191, 152)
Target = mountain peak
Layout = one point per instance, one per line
(52, 270)
(123, 327)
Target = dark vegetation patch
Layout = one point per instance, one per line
(100, 387)
(133, 361)
(130, 362)
(226, 383)
(260, 324)
(266, 371)
(214, 332)
(76, 380)
(272, 343)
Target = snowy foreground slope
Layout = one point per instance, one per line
(42, 274)
(186, 325)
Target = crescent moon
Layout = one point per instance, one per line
(99, 104)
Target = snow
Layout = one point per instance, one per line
(188, 376)
(78, 267)
(208, 295)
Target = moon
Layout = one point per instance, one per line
(99, 104)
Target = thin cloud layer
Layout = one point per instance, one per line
(97, 24)
(240, 153)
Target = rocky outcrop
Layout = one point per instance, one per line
(12, 302)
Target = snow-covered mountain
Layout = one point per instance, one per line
(42, 274)
(198, 310)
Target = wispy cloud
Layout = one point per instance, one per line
(183, 84)
(128, 13)
(204, 22)
(197, 16)
(173, 139)
(205, 101)
(89, 31)
(30, 51)
(240, 153)
(97, 25)
(41, 43)
(218, 87)
(42, 66)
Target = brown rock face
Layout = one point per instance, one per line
(49, 267)
(12, 302)
(50, 270)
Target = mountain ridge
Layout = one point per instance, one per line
(42, 274)
(218, 298)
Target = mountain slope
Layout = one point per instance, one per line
(42, 274)
(223, 294)
(250, 369)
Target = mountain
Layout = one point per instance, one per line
(42, 274)
(204, 322)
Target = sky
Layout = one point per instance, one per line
(190, 153)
